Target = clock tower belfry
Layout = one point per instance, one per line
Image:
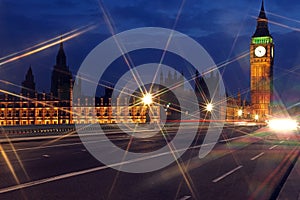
(261, 64)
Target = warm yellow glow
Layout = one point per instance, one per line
(256, 117)
(45, 46)
(209, 107)
(147, 99)
(9, 164)
(283, 124)
(240, 113)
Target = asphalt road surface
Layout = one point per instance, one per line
(244, 164)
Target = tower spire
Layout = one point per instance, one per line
(61, 42)
(262, 28)
(262, 14)
(61, 56)
(61, 76)
(261, 64)
(28, 85)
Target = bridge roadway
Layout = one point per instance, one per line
(245, 164)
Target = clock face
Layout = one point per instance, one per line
(260, 51)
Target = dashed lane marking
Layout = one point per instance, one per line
(257, 156)
(272, 147)
(185, 198)
(227, 174)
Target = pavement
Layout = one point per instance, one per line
(291, 187)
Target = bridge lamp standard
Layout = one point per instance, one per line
(240, 113)
(147, 99)
(209, 107)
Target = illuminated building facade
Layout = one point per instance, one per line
(105, 111)
(33, 108)
(45, 109)
(56, 107)
(261, 63)
(261, 76)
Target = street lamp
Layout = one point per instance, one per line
(240, 113)
(209, 107)
(147, 99)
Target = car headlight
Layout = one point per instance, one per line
(283, 124)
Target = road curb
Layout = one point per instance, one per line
(291, 188)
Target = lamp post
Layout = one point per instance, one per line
(209, 107)
(256, 117)
(147, 100)
(240, 113)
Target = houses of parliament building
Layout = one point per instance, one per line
(57, 107)
(30, 107)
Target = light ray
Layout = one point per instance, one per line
(118, 171)
(109, 21)
(282, 25)
(283, 17)
(278, 171)
(9, 165)
(168, 41)
(45, 46)
(45, 42)
(17, 156)
(33, 100)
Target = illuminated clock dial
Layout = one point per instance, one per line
(260, 51)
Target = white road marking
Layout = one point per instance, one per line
(185, 198)
(272, 147)
(46, 156)
(52, 146)
(80, 143)
(281, 142)
(257, 156)
(227, 174)
(72, 174)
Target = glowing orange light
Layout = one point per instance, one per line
(209, 107)
(283, 124)
(43, 47)
(147, 99)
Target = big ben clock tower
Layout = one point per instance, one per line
(261, 62)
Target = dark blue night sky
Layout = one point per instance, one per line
(224, 28)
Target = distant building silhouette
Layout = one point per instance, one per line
(28, 85)
(61, 79)
(57, 106)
